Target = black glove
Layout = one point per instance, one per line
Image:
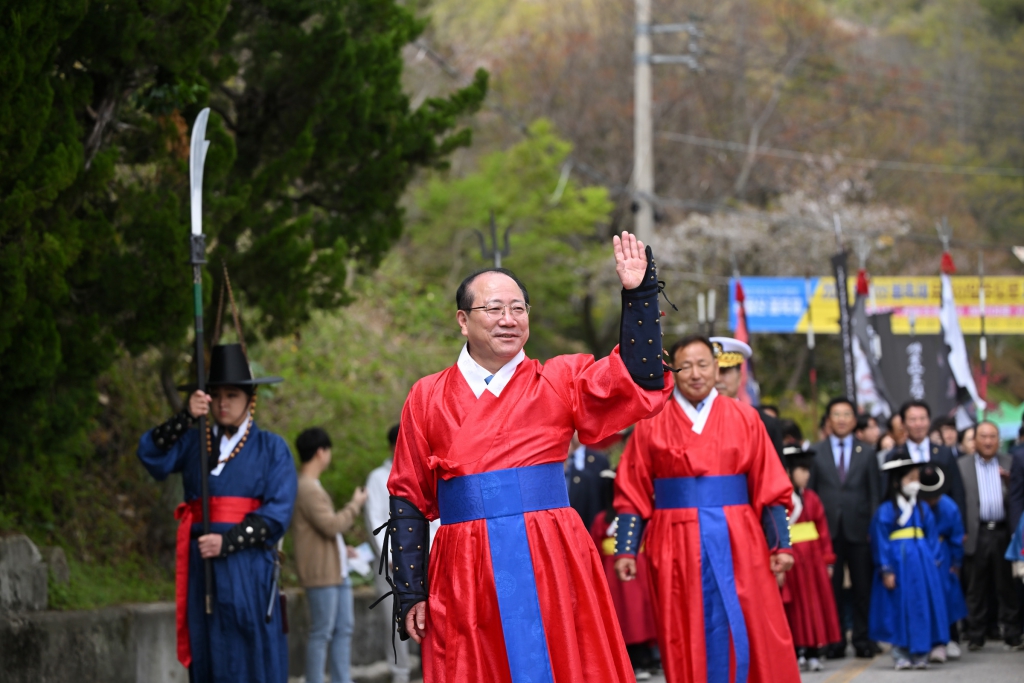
(167, 434)
(251, 532)
(640, 344)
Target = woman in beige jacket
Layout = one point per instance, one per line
(321, 558)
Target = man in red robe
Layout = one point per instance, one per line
(705, 475)
(515, 591)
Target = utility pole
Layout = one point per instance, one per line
(643, 125)
(643, 141)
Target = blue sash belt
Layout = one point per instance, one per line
(501, 497)
(722, 613)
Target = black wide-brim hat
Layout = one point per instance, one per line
(230, 368)
(795, 456)
(932, 478)
(899, 467)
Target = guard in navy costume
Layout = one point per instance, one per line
(252, 492)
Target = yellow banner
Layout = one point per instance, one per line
(915, 301)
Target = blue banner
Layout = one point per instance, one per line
(773, 304)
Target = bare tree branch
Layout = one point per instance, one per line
(762, 120)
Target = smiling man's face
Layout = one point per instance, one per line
(494, 342)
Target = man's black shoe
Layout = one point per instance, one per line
(975, 645)
(1013, 642)
(835, 651)
(864, 652)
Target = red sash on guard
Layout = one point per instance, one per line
(223, 509)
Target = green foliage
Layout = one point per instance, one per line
(559, 247)
(1006, 14)
(95, 585)
(313, 144)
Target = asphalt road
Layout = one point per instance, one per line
(991, 665)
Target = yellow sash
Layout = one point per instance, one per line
(608, 546)
(906, 533)
(801, 532)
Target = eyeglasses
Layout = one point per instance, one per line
(688, 367)
(496, 312)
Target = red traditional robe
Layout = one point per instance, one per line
(807, 593)
(632, 599)
(732, 441)
(448, 432)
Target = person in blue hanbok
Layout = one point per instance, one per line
(1015, 551)
(908, 604)
(949, 526)
(252, 485)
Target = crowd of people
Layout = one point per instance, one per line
(723, 547)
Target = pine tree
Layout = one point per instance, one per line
(313, 144)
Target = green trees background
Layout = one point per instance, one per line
(313, 144)
(344, 198)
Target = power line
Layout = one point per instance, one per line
(914, 167)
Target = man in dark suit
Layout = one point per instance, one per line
(987, 534)
(845, 476)
(917, 417)
(589, 477)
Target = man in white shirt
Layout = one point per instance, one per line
(916, 417)
(986, 474)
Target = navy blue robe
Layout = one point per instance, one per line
(911, 616)
(949, 526)
(235, 643)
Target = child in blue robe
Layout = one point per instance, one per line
(949, 526)
(908, 603)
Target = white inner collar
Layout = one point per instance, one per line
(697, 418)
(477, 374)
(227, 444)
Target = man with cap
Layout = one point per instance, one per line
(706, 481)
(732, 354)
(252, 485)
(514, 590)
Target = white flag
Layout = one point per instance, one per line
(959, 363)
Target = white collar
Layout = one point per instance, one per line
(846, 441)
(698, 419)
(227, 444)
(578, 456)
(798, 507)
(475, 373)
(921, 450)
(906, 507)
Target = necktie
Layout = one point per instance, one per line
(842, 461)
(488, 378)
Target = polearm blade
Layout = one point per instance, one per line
(197, 160)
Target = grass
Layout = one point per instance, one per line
(96, 585)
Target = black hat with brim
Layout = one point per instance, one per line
(932, 479)
(795, 456)
(229, 368)
(899, 467)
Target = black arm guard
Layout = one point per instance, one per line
(627, 534)
(640, 331)
(408, 535)
(169, 432)
(251, 532)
